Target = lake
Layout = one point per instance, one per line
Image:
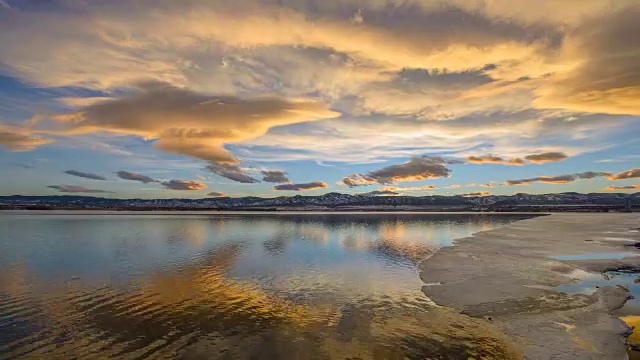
(232, 286)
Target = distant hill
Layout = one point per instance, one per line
(337, 201)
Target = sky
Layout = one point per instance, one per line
(211, 98)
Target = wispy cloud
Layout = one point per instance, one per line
(559, 179)
(126, 175)
(85, 175)
(628, 187)
(77, 189)
(302, 186)
(540, 158)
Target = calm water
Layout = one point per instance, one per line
(231, 286)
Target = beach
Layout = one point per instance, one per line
(508, 277)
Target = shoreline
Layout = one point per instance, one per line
(505, 276)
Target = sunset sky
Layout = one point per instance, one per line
(159, 98)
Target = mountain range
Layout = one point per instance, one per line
(336, 201)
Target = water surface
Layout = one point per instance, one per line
(216, 285)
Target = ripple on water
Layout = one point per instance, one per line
(232, 287)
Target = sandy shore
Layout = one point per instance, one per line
(506, 275)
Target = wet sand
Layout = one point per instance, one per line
(507, 276)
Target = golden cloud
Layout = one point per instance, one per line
(477, 194)
(217, 194)
(540, 158)
(605, 77)
(188, 123)
(490, 159)
(629, 174)
(416, 169)
(18, 139)
(628, 187)
(189, 185)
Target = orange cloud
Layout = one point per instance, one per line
(629, 187)
(189, 185)
(18, 139)
(189, 123)
(477, 194)
(490, 159)
(629, 174)
(217, 194)
(540, 158)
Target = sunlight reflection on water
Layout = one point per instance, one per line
(232, 286)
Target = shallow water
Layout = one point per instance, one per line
(310, 286)
(597, 256)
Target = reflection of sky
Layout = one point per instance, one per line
(140, 280)
(590, 284)
(275, 249)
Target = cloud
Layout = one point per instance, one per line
(560, 179)
(417, 168)
(490, 159)
(381, 193)
(477, 194)
(126, 175)
(506, 76)
(188, 185)
(453, 186)
(188, 123)
(85, 175)
(231, 172)
(303, 186)
(217, 194)
(375, 138)
(274, 176)
(628, 187)
(546, 157)
(629, 174)
(540, 158)
(592, 174)
(354, 180)
(19, 140)
(606, 74)
(77, 189)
